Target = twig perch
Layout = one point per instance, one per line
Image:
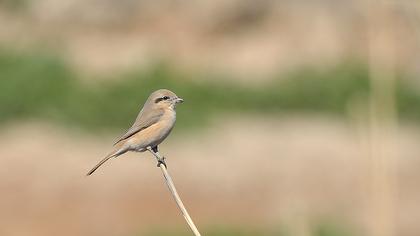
(174, 193)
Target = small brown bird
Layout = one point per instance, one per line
(153, 124)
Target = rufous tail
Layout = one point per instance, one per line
(109, 156)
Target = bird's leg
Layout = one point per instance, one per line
(160, 159)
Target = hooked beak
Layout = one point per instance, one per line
(179, 100)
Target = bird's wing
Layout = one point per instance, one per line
(142, 122)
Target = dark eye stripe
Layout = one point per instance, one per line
(161, 98)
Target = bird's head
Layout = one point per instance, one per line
(164, 99)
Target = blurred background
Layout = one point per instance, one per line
(300, 117)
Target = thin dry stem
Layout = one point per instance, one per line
(175, 195)
(382, 56)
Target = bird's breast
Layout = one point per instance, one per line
(167, 121)
(163, 127)
(154, 134)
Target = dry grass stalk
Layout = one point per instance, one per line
(383, 118)
(175, 195)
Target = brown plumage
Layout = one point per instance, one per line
(152, 125)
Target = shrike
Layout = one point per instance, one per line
(152, 125)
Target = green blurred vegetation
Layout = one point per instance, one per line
(328, 228)
(14, 5)
(319, 229)
(42, 86)
(218, 231)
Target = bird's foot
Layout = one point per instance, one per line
(162, 162)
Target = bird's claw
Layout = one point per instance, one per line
(162, 162)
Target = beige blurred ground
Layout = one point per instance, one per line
(240, 37)
(258, 171)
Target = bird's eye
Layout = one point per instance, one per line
(164, 98)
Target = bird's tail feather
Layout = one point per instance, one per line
(109, 156)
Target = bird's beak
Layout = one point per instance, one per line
(179, 100)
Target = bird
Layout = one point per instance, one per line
(153, 124)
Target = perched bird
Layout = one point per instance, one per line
(152, 125)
